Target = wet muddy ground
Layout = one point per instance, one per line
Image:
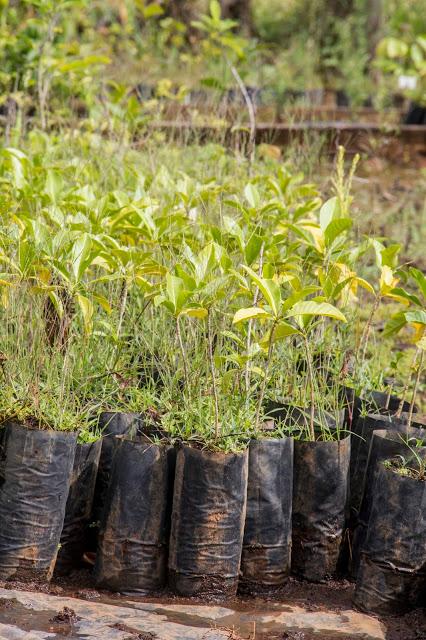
(299, 611)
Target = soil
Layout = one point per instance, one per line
(66, 615)
(133, 633)
(333, 595)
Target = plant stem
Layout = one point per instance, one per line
(416, 385)
(265, 379)
(183, 354)
(405, 389)
(250, 324)
(250, 110)
(123, 301)
(212, 370)
(363, 343)
(311, 388)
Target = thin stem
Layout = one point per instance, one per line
(311, 388)
(265, 379)
(405, 389)
(250, 110)
(388, 396)
(416, 385)
(123, 301)
(183, 354)
(250, 325)
(212, 371)
(363, 343)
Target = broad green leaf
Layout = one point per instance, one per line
(420, 278)
(176, 293)
(252, 195)
(249, 313)
(403, 296)
(418, 316)
(395, 324)
(269, 288)
(317, 309)
(252, 249)
(152, 11)
(335, 228)
(328, 212)
(389, 256)
(283, 330)
(299, 295)
(80, 254)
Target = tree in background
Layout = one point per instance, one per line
(240, 10)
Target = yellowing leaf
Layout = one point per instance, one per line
(318, 309)
(387, 280)
(249, 313)
(195, 312)
(86, 308)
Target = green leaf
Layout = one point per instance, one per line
(389, 256)
(335, 228)
(395, 324)
(152, 11)
(317, 309)
(195, 312)
(283, 330)
(252, 195)
(403, 295)
(328, 212)
(420, 278)
(249, 313)
(57, 303)
(418, 316)
(80, 255)
(176, 293)
(364, 284)
(269, 288)
(252, 249)
(86, 308)
(215, 10)
(103, 302)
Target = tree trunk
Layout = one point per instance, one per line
(374, 25)
(239, 10)
(181, 10)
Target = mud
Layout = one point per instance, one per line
(269, 617)
(134, 633)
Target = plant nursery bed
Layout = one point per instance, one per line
(72, 608)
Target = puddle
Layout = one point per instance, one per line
(135, 619)
(15, 614)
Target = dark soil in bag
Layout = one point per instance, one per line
(209, 508)
(320, 488)
(112, 424)
(392, 572)
(384, 444)
(266, 556)
(382, 402)
(74, 537)
(360, 446)
(133, 546)
(35, 474)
